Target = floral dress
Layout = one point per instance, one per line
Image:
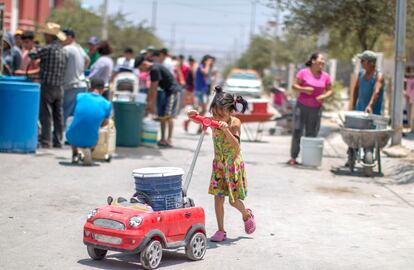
(228, 169)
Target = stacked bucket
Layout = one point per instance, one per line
(163, 186)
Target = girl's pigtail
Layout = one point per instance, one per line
(241, 104)
(218, 89)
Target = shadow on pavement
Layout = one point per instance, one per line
(70, 164)
(358, 172)
(120, 261)
(228, 242)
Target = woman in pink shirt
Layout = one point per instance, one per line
(314, 86)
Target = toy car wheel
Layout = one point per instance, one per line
(151, 256)
(108, 158)
(196, 247)
(96, 253)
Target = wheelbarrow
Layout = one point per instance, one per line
(365, 147)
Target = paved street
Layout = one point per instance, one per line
(306, 218)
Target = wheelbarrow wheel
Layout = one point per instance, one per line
(369, 160)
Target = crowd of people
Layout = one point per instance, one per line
(65, 69)
(172, 82)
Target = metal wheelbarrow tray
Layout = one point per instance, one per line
(371, 141)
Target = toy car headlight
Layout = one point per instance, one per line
(135, 221)
(92, 213)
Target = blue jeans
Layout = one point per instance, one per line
(69, 101)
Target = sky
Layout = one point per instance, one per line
(197, 27)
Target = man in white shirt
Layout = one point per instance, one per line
(166, 60)
(74, 81)
(125, 63)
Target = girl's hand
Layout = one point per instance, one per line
(192, 113)
(223, 125)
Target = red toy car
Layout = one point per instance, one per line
(132, 226)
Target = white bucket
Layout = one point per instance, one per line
(312, 150)
(150, 132)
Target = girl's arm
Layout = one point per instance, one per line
(232, 133)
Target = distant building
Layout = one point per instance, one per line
(26, 14)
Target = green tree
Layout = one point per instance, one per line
(263, 50)
(257, 56)
(121, 32)
(366, 19)
(350, 22)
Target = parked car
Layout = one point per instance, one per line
(244, 82)
(133, 227)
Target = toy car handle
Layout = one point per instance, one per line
(205, 121)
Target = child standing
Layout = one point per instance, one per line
(228, 177)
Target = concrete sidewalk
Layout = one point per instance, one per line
(307, 218)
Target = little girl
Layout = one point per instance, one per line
(228, 177)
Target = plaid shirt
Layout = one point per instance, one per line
(53, 61)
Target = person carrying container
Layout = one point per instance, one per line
(162, 78)
(92, 111)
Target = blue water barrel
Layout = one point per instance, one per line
(19, 112)
(162, 185)
(15, 79)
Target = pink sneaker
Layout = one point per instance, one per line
(250, 224)
(219, 236)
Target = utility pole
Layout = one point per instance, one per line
(105, 20)
(397, 103)
(154, 15)
(253, 19)
(242, 41)
(14, 21)
(1, 36)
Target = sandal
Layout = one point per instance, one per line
(250, 224)
(219, 236)
(292, 162)
(163, 144)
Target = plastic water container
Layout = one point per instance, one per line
(150, 132)
(163, 185)
(19, 112)
(312, 150)
(15, 79)
(128, 122)
(259, 105)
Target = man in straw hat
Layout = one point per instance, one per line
(53, 61)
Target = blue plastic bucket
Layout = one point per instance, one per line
(163, 185)
(19, 112)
